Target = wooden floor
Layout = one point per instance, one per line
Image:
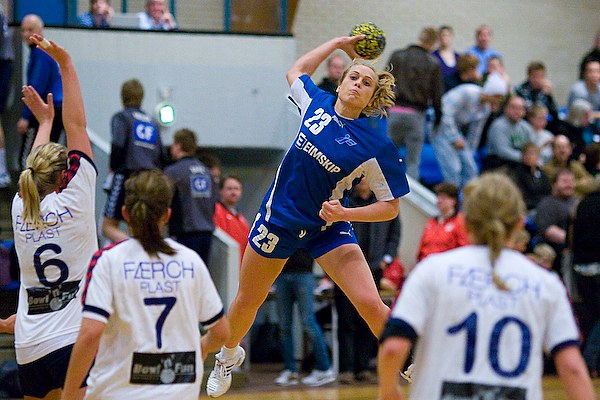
(261, 387)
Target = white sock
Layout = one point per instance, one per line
(2, 161)
(227, 352)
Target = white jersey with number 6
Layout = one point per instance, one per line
(475, 340)
(151, 306)
(54, 262)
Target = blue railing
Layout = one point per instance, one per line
(65, 12)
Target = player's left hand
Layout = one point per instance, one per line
(332, 211)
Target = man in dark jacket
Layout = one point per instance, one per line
(419, 85)
(379, 242)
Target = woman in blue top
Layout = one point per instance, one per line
(304, 208)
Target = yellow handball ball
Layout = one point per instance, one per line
(371, 46)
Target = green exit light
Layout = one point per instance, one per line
(166, 114)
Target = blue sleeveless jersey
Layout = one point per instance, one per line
(330, 153)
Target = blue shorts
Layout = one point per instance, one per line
(41, 376)
(272, 241)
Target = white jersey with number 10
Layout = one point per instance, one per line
(475, 339)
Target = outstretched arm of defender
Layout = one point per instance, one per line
(73, 110)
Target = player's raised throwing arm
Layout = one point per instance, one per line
(308, 63)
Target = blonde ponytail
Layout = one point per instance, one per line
(493, 208)
(40, 177)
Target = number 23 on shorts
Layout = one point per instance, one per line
(265, 240)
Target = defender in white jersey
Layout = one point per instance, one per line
(335, 146)
(55, 237)
(142, 302)
(483, 314)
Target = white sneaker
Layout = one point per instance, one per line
(287, 378)
(408, 374)
(318, 378)
(4, 180)
(219, 380)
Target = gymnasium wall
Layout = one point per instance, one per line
(557, 32)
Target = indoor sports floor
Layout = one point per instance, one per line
(261, 387)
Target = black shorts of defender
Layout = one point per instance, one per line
(116, 197)
(41, 376)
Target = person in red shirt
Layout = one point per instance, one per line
(227, 217)
(447, 230)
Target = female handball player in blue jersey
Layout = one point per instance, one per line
(483, 314)
(304, 208)
(142, 302)
(55, 236)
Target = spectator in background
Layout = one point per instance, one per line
(447, 230)
(561, 159)
(577, 126)
(447, 57)
(135, 146)
(530, 178)
(538, 89)
(586, 264)
(592, 160)
(466, 72)
(465, 110)
(7, 57)
(481, 49)
(296, 284)
(336, 64)
(157, 17)
(496, 65)
(44, 76)
(419, 85)
(537, 116)
(543, 255)
(227, 217)
(587, 88)
(379, 243)
(553, 214)
(507, 135)
(213, 163)
(194, 196)
(521, 241)
(593, 55)
(98, 16)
